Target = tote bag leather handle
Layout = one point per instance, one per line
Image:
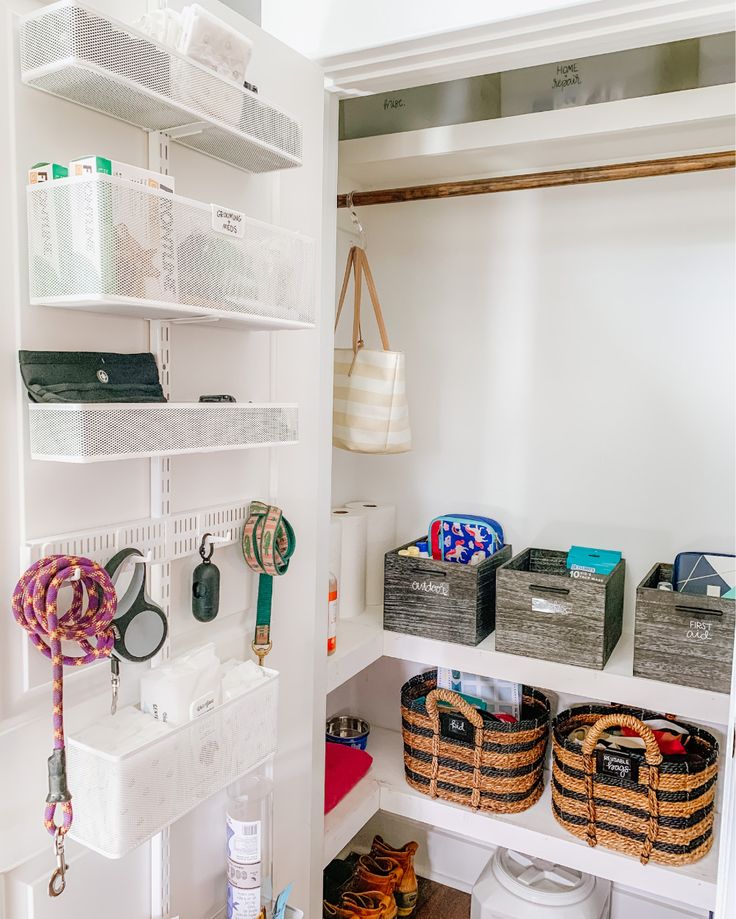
(357, 263)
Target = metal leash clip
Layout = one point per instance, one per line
(58, 878)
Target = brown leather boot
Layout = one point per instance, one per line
(370, 904)
(407, 891)
(378, 874)
(337, 912)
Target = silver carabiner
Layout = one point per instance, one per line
(356, 221)
(57, 883)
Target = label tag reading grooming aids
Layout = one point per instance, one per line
(230, 223)
(619, 765)
(455, 727)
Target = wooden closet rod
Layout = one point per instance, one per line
(673, 166)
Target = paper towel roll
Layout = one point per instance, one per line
(351, 580)
(335, 546)
(380, 539)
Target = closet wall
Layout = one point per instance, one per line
(570, 365)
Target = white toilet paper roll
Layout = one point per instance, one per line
(351, 582)
(380, 539)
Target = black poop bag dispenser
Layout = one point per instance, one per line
(206, 584)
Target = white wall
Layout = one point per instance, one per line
(52, 498)
(570, 365)
(322, 28)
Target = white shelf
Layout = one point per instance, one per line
(614, 683)
(72, 51)
(534, 831)
(352, 813)
(691, 121)
(93, 432)
(359, 644)
(362, 641)
(172, 312)
(104, 244)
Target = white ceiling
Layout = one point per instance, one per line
(323, 28)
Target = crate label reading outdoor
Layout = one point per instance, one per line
(227, 222)
(542, 605)
(619, 765)
(431, 587)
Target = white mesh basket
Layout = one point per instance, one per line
(94, 431)
(121, 801)
(75, 52)
(103, 243)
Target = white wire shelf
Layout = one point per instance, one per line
(107, 245)
(70, 50)
(120, 801)
(96, 431)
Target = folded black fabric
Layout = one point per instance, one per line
(90, 376)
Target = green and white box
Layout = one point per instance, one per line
(46, 172)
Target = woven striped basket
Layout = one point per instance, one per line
(499, 767)
(665, 815)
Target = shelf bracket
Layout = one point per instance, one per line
(186, 130)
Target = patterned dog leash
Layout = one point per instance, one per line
(268, 544)
(35, 609)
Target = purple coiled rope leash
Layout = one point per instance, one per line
(35, 609)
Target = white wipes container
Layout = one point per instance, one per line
(516, 886)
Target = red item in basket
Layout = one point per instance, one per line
(344, 768)
(668, 742)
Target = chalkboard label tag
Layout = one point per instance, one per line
(456, 728)
(617, 764)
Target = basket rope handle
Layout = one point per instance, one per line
(474, 717)
(653, 758)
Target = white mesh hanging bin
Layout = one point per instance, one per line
(106, 244)
(121, 801)
(74, 52)
(90, 432)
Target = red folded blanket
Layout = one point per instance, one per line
(344, 768)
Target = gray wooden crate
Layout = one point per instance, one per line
(682, 638)
(543, 612)
(442, 600)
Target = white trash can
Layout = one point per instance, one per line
(516, 886)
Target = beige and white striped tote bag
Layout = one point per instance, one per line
(370, 412)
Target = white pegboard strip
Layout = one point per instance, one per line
(165, 538)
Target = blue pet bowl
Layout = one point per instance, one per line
(348, 731)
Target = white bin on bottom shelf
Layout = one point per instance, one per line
(122, 801)
(94, 431)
